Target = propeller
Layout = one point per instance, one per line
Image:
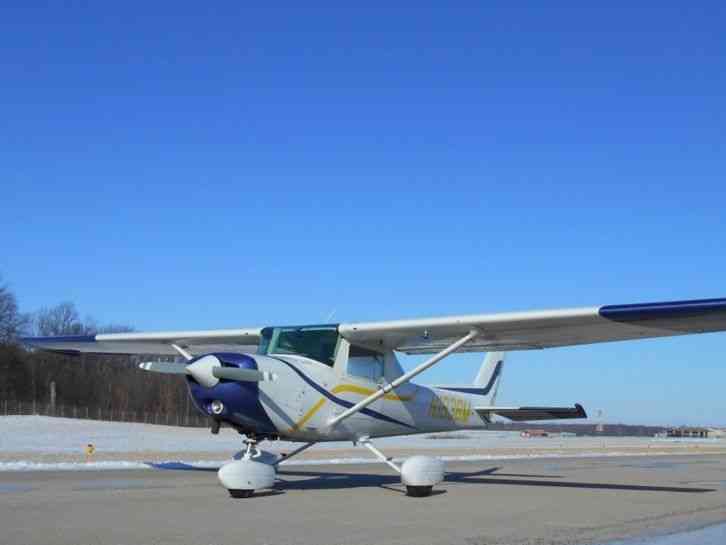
(207, 371)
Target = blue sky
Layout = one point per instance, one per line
(185, 166)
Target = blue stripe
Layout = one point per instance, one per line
(671, 309)
(61, 339)
(343, 402)
(474, 390)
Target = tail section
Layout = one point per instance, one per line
(487, 380)
(490, 375)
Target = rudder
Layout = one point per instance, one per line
(490, 375)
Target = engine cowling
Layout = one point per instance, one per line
(225, 386)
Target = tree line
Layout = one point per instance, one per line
(93, 381)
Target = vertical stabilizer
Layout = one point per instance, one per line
(490, 375)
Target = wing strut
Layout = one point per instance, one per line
(404, 378)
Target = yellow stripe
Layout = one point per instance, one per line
(308, 415)
(354, 389)
(341, 388)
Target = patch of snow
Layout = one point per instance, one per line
(24, 439)
(46, 435)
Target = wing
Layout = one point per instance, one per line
(543, 329)
(523, 414)
(159, 343)
(505, 331)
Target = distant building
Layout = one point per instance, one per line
(534, 433)
(689, 432)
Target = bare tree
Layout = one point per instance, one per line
(11, 321)
(89, 380)
(112, 328)
(62, 319)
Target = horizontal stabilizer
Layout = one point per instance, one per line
(523, 414)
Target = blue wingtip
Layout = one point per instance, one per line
(59, 339)
(669, 309)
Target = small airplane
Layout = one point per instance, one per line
(343, 382)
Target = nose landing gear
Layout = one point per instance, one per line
(256, 469)
(252, 472)
(215, 425)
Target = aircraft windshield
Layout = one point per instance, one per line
(314, 342)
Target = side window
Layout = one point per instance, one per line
(365, 363)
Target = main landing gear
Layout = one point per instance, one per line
(257, 469)
(419, 474)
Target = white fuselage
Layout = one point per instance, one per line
(307, 394)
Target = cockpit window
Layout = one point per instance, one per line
(264, 346)
(314, 342)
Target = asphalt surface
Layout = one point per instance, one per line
(573, 501)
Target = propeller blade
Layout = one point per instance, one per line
(207, 371)
(166, 367)
(240, 375)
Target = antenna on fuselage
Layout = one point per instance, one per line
(330, 316)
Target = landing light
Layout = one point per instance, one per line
(217, 407)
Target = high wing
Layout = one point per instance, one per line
(159, 343)
(524, 414)
(543, 329)
(503, 331)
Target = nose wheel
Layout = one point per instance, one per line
(237, 494)
(254, 471)
(418, 491)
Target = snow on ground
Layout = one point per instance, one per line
(47, 443)
(45, 434)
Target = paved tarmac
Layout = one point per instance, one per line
(559, 501)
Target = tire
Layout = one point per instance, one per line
(241, 493)
(418, 491)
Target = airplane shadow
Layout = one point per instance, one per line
(469, 478)
(330, 480)
(266, 493)
(333, 480)
(179, 466)
(453, 475)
